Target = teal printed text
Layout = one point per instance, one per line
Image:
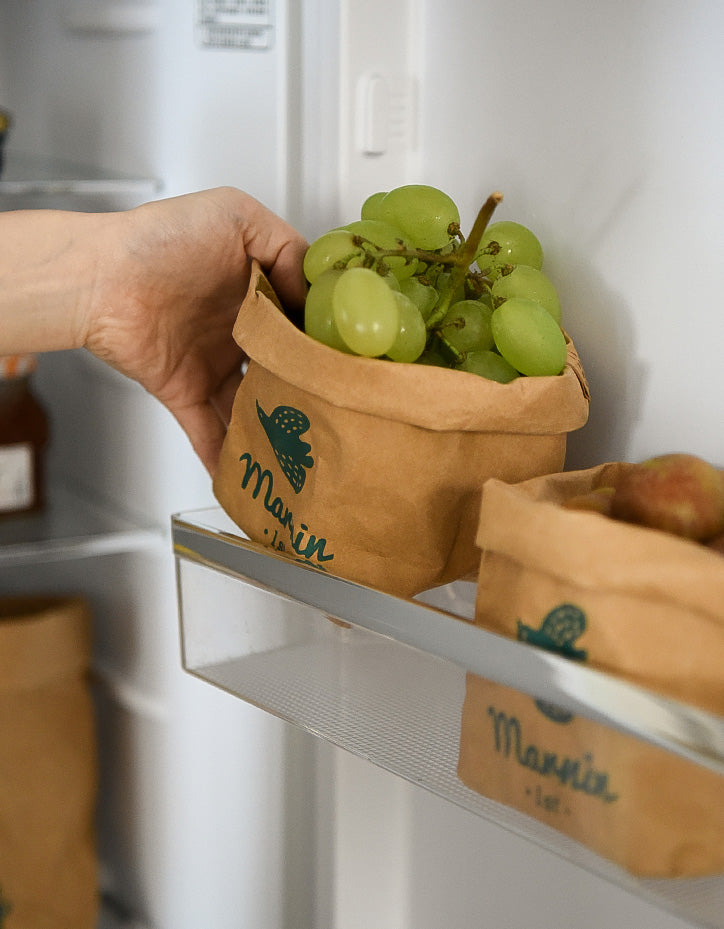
(576, 773)
(260, 483)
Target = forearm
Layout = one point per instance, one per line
(48, 264)
(153, 291)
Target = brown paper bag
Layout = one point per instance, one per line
(654, 813)
(371, 469)
(653, 604)
(48, 867)
(640, 604)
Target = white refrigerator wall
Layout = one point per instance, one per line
(602, 125)
(146, 97)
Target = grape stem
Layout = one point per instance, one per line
(455, 354)
(465, 257)
(428, 257)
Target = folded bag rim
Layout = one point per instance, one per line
(527, 523)
(408, 392)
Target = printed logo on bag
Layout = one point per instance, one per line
(5, 908)
(284, 427)
(557, 633)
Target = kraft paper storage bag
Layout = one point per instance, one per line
(655, 814)
(48, 766)
(370, 469)
(634, 602)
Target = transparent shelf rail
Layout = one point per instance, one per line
(71, 526)
(26, 175)
(385, 678)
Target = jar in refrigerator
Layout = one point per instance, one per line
(23, 438)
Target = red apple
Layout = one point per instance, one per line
(677, 493)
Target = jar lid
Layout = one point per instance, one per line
(16, 365)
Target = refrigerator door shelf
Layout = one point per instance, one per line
(71, 526)
(385, 678)
(32, 176)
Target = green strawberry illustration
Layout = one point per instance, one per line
(5, 908)
(283, 429)
(558, 633)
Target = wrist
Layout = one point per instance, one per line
(48, 267)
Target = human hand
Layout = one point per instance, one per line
(170, 279)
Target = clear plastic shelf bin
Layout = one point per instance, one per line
(385, 678)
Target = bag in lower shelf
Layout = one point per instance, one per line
(633, 602)
(48, 776)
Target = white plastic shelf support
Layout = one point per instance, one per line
(377, 101)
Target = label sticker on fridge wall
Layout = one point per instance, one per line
(16, 477)
(235, 23)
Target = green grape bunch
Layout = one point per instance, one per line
(403, 284)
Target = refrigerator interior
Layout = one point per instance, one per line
(601, 124)
(125, 92)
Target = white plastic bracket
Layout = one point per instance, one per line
(378, 80)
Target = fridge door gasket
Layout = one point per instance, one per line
(384, 678)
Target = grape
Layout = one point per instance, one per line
(318, 315)
(431, 356)
(524, 281)
(424, 296)
(528, 337)
(466, 326)
(402, 283)
(391, 281)
(511, 243)
(487, 266)
(327, 250)
(365, 312)
(371, 206)
(425, 214)
(387, 238)
(412, 336)
(490, 365)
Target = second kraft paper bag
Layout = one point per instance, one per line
(636, 603)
